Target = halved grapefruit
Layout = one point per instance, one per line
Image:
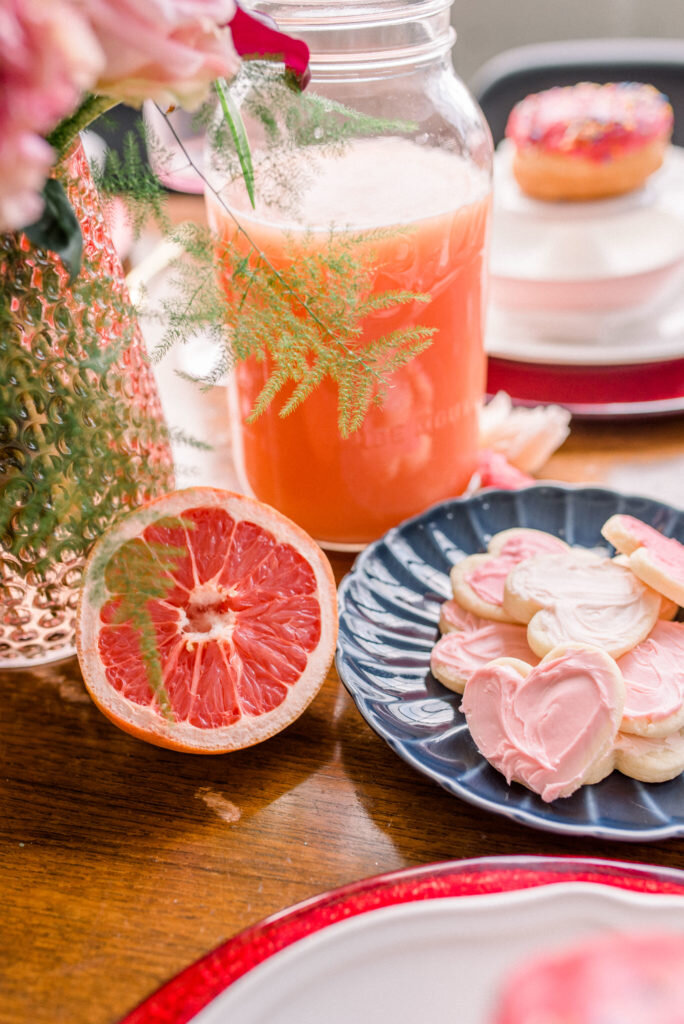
(207, 621)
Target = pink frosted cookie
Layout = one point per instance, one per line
(654, 679)
(478, 580)
(457, 655)
(650, 760)
(454, 619)
(609, 978)
(668, 608)
(580, 597)
(655, 559)
(551, 727)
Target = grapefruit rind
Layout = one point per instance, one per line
(146, 723)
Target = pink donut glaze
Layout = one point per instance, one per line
(596, 122)
(610, 978)
(488, 579)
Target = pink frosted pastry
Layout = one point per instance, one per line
(587, 141)
(551, 727)
(610, 978)
(655, 559)
(457, 655)
(580, 597)
(654, 682)
(478, 580)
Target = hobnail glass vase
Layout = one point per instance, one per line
(82, 435)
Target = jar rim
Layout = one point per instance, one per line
(317, 14)
(353, 34)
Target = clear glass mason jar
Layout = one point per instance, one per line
(376, 194)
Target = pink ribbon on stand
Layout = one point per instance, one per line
(256, 37)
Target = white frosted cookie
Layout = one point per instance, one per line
(668, 608)
(654, 682)
(654, 558)
(454, 619)
(457, 655)
(478, 580)
(544, 579)
(580, 597)
(650, 760)
(551, 727)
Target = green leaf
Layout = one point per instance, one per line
(237, 130)
(58, 229)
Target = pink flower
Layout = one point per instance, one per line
(256, 36)
(165, 50)
(48, 57)
(494, 470)
(25, 162)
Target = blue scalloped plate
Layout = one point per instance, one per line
(389, 609)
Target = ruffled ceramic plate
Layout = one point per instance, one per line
(430, 943)
(389, 609)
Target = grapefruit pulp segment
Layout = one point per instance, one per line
(207, 626)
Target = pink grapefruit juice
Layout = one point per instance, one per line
(420, 445)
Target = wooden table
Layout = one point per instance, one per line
(121, 862)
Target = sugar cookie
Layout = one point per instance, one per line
(457, 655)
(650, 760)
(551, 727)
(478, 580)
(454, 619)
(580, 597)
(668, 608)
(654, 682)
(544, 579)
(654, 558)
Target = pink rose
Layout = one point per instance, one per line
(165, 50)
(25, 163)
(48, 57)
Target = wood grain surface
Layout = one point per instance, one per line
(120, 863)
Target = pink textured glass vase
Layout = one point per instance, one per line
(82, 436)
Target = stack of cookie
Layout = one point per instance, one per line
(568, 660)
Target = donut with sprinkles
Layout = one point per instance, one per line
(589, 141)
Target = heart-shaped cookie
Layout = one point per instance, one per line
(458, 654)
(654, 558)
(551, 727)
(478, 580)
(654, 682)
(580, 597)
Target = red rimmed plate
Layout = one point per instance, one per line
(593, 392)
(414, 944)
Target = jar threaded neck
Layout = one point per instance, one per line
(361, 33)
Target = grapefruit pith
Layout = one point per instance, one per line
(207, 621)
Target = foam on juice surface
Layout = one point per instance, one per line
(371, 183)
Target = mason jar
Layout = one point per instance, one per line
(357, 280)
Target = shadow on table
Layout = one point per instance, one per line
(73, 778)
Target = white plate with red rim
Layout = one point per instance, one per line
(431, 943)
